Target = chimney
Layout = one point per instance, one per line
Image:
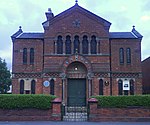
(49, 14)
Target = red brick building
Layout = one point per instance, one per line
(75, 57)
(146, 75)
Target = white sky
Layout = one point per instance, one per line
(30, 14)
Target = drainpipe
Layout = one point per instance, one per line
(110, 67)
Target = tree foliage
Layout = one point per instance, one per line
(5, 77)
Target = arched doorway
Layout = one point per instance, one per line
(76, 84)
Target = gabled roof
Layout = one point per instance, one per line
(120, 35)
(76, 6)
(31, 36)
(13, 37)
(134, 34)
(20, 35)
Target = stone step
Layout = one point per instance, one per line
(77, 120)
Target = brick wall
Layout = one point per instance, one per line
(53, 114)
(25, 115)
(131, 114)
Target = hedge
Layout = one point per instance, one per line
(16, 101)
(123, 101)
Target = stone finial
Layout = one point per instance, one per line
(49, 10)
(76, 1)
(20, 28)
(133, 27)
(49, 14)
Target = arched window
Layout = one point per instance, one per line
(128, 54)
(32, 56)
(100, 87)
(120, 87)
(93, 45)
(21, 86)
(25, 56)
(76, 44)
(131, 87)
(52, 87)
(68, 45)
(121, 55)
(85, 45)
(59, 45)
(33, 87)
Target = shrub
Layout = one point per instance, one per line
(23, 101)
(123, 101)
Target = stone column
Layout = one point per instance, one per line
(63, 93)
(64, 50)
(55, 47)
(97, 47)
(81, 47)
(89, 44)
(90, 87)
(72, 47)
(63, 76)
(89, 76)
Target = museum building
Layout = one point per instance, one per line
(76, 57)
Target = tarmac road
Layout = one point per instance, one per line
(73, 123)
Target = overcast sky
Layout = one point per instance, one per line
(30, 14)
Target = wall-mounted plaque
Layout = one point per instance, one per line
(46, 83)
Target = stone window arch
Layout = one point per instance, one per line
(120, 87)
(131, 87)
(93, 45)
(25, 56)
(85, 45)
(22, 86)
(68, 44)
(128, 55)
(121, 56)
(52, 87)
(32, 56)
(59, 45)
(33, 86)
(101, 86)
(76, 44)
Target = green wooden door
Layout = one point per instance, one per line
(76, 92)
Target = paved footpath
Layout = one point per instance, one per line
(74, 123)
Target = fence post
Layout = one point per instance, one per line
(56, 109)
(93, 103)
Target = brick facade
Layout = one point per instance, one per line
(103, 65)
(146, 75)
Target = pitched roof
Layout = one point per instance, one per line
(119, 35)
(31, 36)
(76, 6)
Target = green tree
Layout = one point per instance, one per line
(5, 77)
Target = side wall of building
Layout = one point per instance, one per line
(146, 75)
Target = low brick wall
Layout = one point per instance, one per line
(25, 115)
(131, 114)
(53, 114)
